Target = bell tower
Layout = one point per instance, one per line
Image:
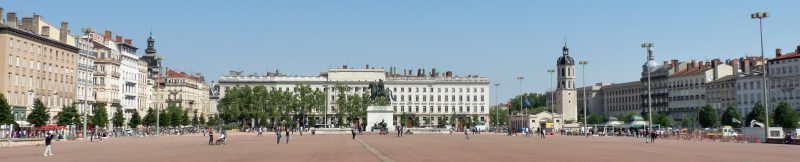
(566, 95)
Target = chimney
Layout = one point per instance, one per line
(367, 67)
(746, 66)
(119, 39)
(2, 21)
(344, 66)
(675, 66)
(778, 52)
(129, 42)
(798, 49)
(736, 68)
(35, 24)
(27, 25)
(701, 64)
(433, 72)
(64, 32)
(12, 19)
(666, 62)
(714, 65)
(107, 36)
(419, 72)
(46, 31)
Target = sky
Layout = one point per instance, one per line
(500, 40)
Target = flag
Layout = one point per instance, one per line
(527, 102)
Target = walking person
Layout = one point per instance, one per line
(466, 134)
(48, 151)
(278, 134)
(353, 131)
(210, 136)
(260, 130)
(541, 133)
(287, 136)
(398, 131)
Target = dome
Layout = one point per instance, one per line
(653, 65)
(565, 60)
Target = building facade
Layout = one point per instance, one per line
(85, 94)
(40, 64)
(593, 99)
(424, 95)
(622, 98)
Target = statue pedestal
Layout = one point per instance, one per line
(376, 114)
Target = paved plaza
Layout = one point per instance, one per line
(373, 147)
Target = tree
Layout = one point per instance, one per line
(163, 118)
(185, 120)
(626, 117)
(38, 116)
(498, 116)
(707, 117)
(427, 120)
(595, 119)
(537, 102)
(212, 121)
(194, 119)
(68, 116)
(100, 118)
(663, 119)
(202, 119)
(135, 121)
(149, 118)
(729, 116)
(785, 116)
(756, 114)
(118, 120)
(688, 122)
(6, 116)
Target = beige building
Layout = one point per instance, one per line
(188, 91)
(687, 90)
(40, 63)
(622, 98)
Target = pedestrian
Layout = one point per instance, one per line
(259, 132)
(398, 131)
(353, 131)
(466, 134)
(541, 133)
(653, 137)
(278, 134)
(287, 136)
(48, 151)
(210, 136)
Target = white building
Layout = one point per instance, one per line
(85, 94)
(422, 95)
(784, 77)
(129, 78)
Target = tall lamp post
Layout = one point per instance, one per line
(520, 94)
(583, 71)
(158, 109)
(86, 32)
(497, 108)
(760, 16)
(649, 47)
(552, 92)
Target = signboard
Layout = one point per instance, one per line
(549, 125)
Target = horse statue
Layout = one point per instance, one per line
(377, 90)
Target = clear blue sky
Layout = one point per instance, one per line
(497, 39)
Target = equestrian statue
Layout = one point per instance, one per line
(378, 90)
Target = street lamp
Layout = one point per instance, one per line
(497, 108)
(583, 71)
(520, 95)
(552, 98)
(760, 16)
(86, 32)
(158, 109)
(649, 47)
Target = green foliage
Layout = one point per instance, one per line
(626, 117)
(403, 119)
(707, 117)
(785, 116)
(202, 119)
(100, 117)
(729, 115)
(245, 104)
(442, 122)
(427, 120)
(688, 122)
(39, 115)
(663, 119)
(149, 118)
(194, 119)
(136, 120)
(312, 122)
(213, 121)
(68, 116)
(595, 119)
(536, 100)
(757, 114)
(185, 120)
(6, 115)
(163, 118)
(498, 116)
(118, 120)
